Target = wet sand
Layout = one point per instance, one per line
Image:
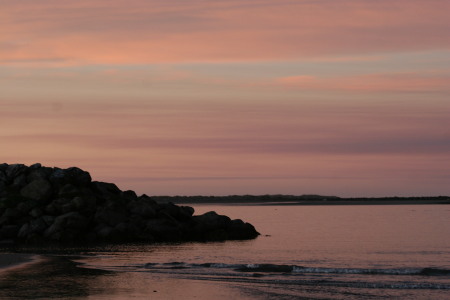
(16, 260)
(62, 277)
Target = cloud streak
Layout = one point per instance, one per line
(391, 82)
(133, 32)
(238, 96)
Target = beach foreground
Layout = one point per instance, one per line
(62, 277)
(304, 252)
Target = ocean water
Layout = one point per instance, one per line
(304, 252)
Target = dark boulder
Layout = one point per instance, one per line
(67, 227)
(19, 181)
(141, 208)
(39, 173)
(40, 205)
(9, 231)
(211, 226)
(106, 190)
(14, 171)
(72, 175)
(39, 189)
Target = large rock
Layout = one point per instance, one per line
(13, 171)
(211, 226)
(9, 231)
(72, 175)
(40, 205)
(107, 190)
(19, 181)
(38, 189)
(165, 230)
(66, 227)
(3, 177)
(110, 217)
(141, 208)
(39, 173)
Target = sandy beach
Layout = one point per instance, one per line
(14, 260)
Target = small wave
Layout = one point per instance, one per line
(215, 265)
(394, 271)
(434, 272)
(293, 275)
(276, 268)
(412, 271)
(321, 270)
(266, 268)
(150, 265)
(174, 263)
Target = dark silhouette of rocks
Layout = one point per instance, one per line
(40, 205)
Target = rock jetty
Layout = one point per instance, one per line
(43, 205)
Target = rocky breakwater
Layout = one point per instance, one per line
(40, 205)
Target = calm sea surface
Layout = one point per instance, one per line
(304, 252)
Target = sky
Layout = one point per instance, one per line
(332, 97)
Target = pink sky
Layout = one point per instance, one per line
(349, 98)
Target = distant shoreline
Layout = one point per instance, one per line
(300, 200)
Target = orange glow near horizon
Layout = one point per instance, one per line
(231, 97)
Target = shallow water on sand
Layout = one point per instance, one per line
(304, 252)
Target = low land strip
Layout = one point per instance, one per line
(300, 200)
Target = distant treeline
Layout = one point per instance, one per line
(302, 199)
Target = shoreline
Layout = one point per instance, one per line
(300, 200)
(11, 261)
(320, 202)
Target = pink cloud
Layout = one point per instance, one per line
(230, 122)
(390, 82)
(202, 31)
(153, 147)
